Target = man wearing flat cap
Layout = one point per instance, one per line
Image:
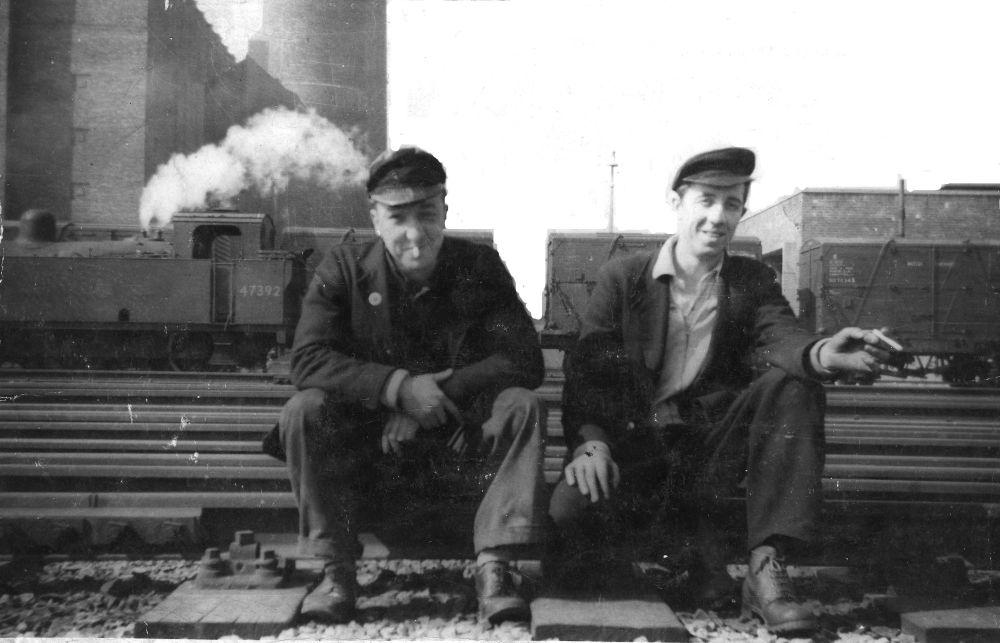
(414, 356)
(691, 377)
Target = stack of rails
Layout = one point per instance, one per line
(95, 452)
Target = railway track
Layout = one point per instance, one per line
(96, 451)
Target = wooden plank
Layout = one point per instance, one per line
(191, 412)
(969, 625)
(150, 500)
(167, 446)
(599, 617)
(146, 471)
(913, 472)
(191, 612)
(192, 460)
(131, 428)
(915, 488)
(914, 461)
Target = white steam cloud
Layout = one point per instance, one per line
(273, 147)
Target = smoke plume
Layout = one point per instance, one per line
(272, 148)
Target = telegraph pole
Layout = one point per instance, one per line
(611, 205)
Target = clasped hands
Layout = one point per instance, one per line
(421, 405)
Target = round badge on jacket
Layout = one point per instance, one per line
(375, 299)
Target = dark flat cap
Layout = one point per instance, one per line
(721, 168)
(406, 175)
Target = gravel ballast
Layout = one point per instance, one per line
(400, 599)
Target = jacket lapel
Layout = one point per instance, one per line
(649, 308)
(374, 292)
(722, 316)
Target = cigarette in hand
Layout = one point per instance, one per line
(891, 343)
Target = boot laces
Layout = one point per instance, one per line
(783, 584)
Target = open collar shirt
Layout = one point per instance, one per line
(694, 311)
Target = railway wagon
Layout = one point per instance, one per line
(572, 261)
(940, 298)
(220, 295)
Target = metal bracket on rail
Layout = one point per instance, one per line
(247, 567)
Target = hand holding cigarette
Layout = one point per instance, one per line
(861, 352)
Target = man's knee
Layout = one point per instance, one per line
(525, 408)
(302, 412)
(567, 505)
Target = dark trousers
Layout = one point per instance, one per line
(335, 465)
(768, 439)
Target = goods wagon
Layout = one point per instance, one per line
(220, 294)
(940, 298)
(572, 262)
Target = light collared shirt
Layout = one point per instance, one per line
(694, 310)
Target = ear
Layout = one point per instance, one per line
(374, 214)
(673, 199)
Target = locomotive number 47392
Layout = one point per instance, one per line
(259, 290)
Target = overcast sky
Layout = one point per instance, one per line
(526, 100)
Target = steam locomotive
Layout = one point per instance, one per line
(217, 294)
(220, 291)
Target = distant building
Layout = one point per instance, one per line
(956, 212)
(99, 94)
(4, 41)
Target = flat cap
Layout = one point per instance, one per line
(406, 175)
(721, 168)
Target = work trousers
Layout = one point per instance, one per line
(335, 462)
(768, 439)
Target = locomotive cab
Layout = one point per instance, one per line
(222, 235)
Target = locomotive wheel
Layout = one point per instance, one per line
(190, 351)
(250, 351)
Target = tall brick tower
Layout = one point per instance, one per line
(332, 54)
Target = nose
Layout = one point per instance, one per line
(716, 213)
(415, 233)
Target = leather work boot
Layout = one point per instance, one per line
(332, 601)
(498, 601)
(768, 593)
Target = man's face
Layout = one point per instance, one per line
(413, 234)
(706, 218)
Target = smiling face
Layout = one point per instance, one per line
(706, 218)
(412, 233)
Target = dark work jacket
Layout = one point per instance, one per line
(348, 344)
(613, 371)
